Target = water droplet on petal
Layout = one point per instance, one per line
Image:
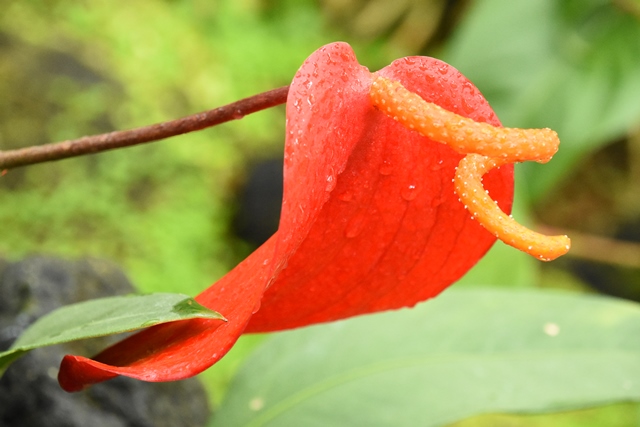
(438, 165)
(331, 183)
(346, 196)
(355, 226)
(409, 192)
(386, 168)
(256, 307)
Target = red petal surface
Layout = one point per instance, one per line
(369, 222)
(393, 232)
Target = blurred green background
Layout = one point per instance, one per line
(164, 211)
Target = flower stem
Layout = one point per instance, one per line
(126, 138)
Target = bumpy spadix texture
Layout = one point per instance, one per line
(460, 133)
(487, 147)
(370, 221)
(468, 184)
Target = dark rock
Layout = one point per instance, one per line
(260, 202)
(29, 392)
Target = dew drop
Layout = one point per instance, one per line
(237, 114)
(256, 307)
(355, 226)
(438, 165)
(385, 168)
(331, 183)
(346, 196)
(409, 192)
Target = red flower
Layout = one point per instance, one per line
(370, 220)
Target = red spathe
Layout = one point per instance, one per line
(370, 222)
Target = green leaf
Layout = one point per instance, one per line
(465, 353)
(105, 316)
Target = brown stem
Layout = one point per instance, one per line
(119, 139)
(601, 249)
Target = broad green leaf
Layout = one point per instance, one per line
(105, 316)
(572, 66)
(465, 353)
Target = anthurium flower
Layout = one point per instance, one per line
(373, 214)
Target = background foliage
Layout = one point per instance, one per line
(163, 211)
